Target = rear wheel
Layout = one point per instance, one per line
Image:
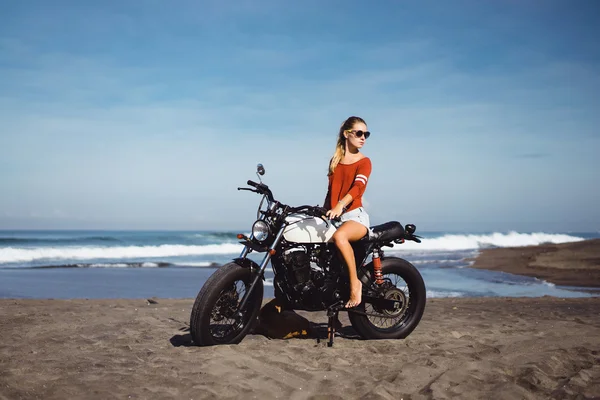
(402, 283)
(215, 316)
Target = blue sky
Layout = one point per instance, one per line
(149, 114)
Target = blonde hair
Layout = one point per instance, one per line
(340, 148)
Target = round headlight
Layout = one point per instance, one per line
(260, 231)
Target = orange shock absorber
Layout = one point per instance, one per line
(377, 268)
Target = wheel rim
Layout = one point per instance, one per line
(395, 288)
(224, 322)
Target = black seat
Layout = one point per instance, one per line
(386, 232)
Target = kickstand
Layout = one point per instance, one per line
(333, 315)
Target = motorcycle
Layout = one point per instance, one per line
(310, 275)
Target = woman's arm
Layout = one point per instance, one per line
(360, 180)
(340, 207)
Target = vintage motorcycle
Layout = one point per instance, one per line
(310, 275)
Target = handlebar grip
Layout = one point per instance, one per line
(262, 189)
(320, 211)
(314, 211)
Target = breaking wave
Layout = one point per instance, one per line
(146, 264)
(455, 242)
(15, 255)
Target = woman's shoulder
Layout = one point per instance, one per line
(364, 160)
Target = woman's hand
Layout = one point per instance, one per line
(335, 211)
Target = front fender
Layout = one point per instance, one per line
(248, 263)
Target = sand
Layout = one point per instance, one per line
(569, 264)
(474, 348)
(468, 348)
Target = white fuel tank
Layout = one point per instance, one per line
(303, 228)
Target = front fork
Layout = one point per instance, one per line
(261, 269)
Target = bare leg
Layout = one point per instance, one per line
(350, 231)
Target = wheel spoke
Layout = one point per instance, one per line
(383, 321)
(222, 320)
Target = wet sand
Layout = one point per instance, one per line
(471, 348)
(568, 264)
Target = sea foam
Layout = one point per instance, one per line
(453, 242)
(13, 255)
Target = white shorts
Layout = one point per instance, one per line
(358, 214)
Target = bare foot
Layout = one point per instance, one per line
(355, 294)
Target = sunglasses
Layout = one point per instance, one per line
(359, 134)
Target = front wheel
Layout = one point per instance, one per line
(215, 316)
(403, 283)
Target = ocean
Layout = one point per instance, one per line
(175, 264)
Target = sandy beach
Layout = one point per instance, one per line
(471, 348)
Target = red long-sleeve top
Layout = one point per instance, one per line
(348, 179)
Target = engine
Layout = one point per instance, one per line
(298, 262)
(303, 280)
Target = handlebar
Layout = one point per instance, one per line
(315, 211)
(414, 238)
(262, 189)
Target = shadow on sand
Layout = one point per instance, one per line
(317, 331)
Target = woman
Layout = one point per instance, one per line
(349, 172)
